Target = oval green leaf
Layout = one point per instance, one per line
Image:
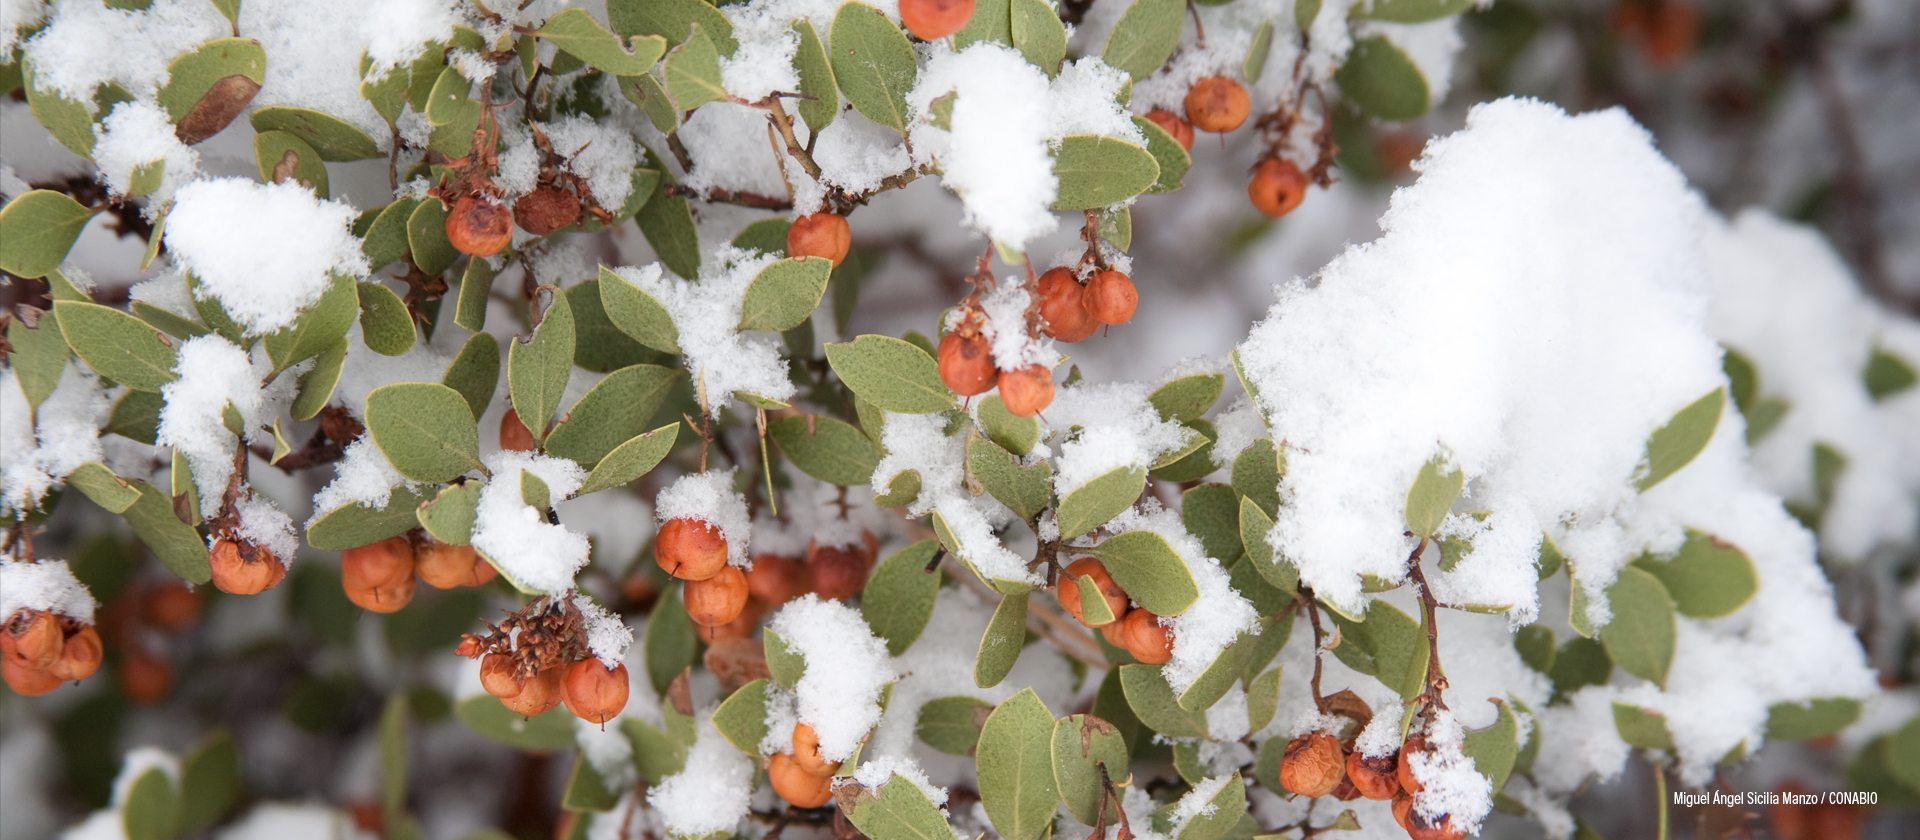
(890, 373)
(631, 460)
(385, 324)
(1089, 754)
(118, 346)
(1380, 78)
(1000, 646)
(1094, 503)
(1432, 495)
(1675, 444)
(1640, 638)
(783, 294)
(333, 138)
(37, 229)
(1145, 36)
(538, 367)
(425, 429)
(1097, 171)
(1150, 571)
(873, 64)
(616, 410)
(1015, 759)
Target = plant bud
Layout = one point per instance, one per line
(33, 639)
(1375, 777)
(931, 20)
(80, 656)
(1181, 130)
(839, 571)
(718, 599)
(445, 566)
(25, 681)
(144, 678)
(1027, 391)
(470, 646)
(966, 364)
(173, 607)
(478, 226)
(1312, 765)
(497, 675)
(1218, 104)
(244, 570)
(797, 786)
(514, 436)
(690, 549)
(1111, 298)
(593, 692)
(1277, 187)
(1415, 744)
(820, 235)
(806, 752)
(775, 580)
(1067, 590)
(547, 209)
(1147, 639)
(1063, 310)
(378, 577)
(538, 693)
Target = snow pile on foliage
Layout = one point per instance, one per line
(1118, 429)
(709, 497)
(40, 446)
(1215, 619)
(846, 667)
(47, 585)
(214, 374)
(711, 792)
(706, 313)
(140, 134)
(87, 44)
(918, 442)
(607, 636)
(265, 251)
(529, 550)
(315, 51)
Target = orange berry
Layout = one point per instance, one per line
(1277, 187)
(797, 786)
(776, 580)
(172, 606)
(1218, 104)
(1027, 391)
(820, 235)
(1181, 130)
(1312, 765)
(1419, 827)
(966, 364)
(537, 695)
(514, 436)
(719, 599)
(1111, 298)
(1415, 744)
(1063, 311)
(690, 549)
(740, 628)
(1067, 590)
(25, 681)
(1116, 633)
(33, 640)
(1666, 30)
(144, 678)
(497, 675)
(931, 20)
(80, 656)
(593, 692)
(806, 752)
(244, 569)
(839, 571)
(1374, 778)
(1147, 639)
(478, 226)
(378, 577)
(547, 209)
(445, 566)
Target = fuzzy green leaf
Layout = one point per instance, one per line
(1005, 637)
(385, 324)
(475, 373)
(1015, 758)
(1640, 638)
(1099, 500)
(470, 311)
(617, 409)
(784, 294)
(670, 641)
(637, 313)
(896, 810)
(1815, 718)
(354, 525)
(575, 31)
(873, 64)
(151, 808)
(119, 346)
(1097, 171)
(449, 516)
(1153, 701)
(631, 460)
(742, 717)
(1643, 728)
(273, 148)
(1707, 578)
(1024, 490)
(103, 487)
(37, 229)
(890, 373)
(1675, 444)
(333, 138)
(1212, 513)
(692, 72)
(1256, 475)
(427, 238)
(176, 543)
(538, 367)
(1380, 78)
(550, 731)
(816, 79)
(1146, 566)
(952, 724)
(671, 20)
(898, 599)
(1017, 435)
(826, 448)
(1038, 34)
(425, 429)
(1431, 496)
(209, 782)
(1494, 748)
(38, 357)
(667, 223)
(1082, 746)
(1145, 36)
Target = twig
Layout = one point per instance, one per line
(1313, 614)
(724, 196)
(1436, 678)
(777, 114)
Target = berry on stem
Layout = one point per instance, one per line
(806, 752)
(1147, 639)
(379, 577)
(1414, 745)
(839, 571)
(775, 580)
(1375, 777)
(690, 549)
(1218, 104)
(1027, 391)
(25, 681)
(1277, 187)
(172, 606)
(80, 656)
(797, 786)
(537, 694)
(497, 675)
(719, 599)
(547, 209)
(931, 20)
(479, 226)
(445, 566)
(820, 235)
(966, 363)
(593, 692)
(1312, 765)
(1111, 298)
(144, 678)
(1063, 311)
(245, 570)
(1181, 130)
(1067, 590)
(33, 639)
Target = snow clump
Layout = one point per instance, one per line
(265, 251)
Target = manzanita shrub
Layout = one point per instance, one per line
(1471, 515)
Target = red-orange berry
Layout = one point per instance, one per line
(25, 681)
(1111, 298)
(1116, 633)
(445, 566)
(32, 639)
(537, 694)
(1027, 391)
(1277, 187)
(80, 656)
(690, 549)
(1147, 639)
(839, 571)
(719, 599)
(1063, 310)
(1067, 590)
(1419, 827)
(1217, 104)
(593, 692)
(820, 235)
(775, 580)
(1414, 745)
(931, 20)
(1181, 130)
(1376, 777)
(547, 209)
(498, 677)
(244, 569)
(378, 577)
(144, 678)
(806, 752)
(1312, 765)
(479, 226)
(797, 786)
(172, 606)
(1666, 30)
(966, 364)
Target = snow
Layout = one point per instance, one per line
(39, 448)
(710, 794)
(266, 251)
(1451, 788)
(873, 774)
(607, 636)
(709, 497)
(213, 373)
(86, 44)
(18, 15)
(136, 134)
(1227, 719)
(293, 821)
(915, 442)
(48, 586)
(1214, 620)
(1118, 429)
(846, 667)
(1196, 802)
(609, 751)
(995, 153)
(720, 358)
(530, 551)
(315, 51)
(1015, 344)
(603, 154)
(167, 291)
(264, 524)
(362, 476)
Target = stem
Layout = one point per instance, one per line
(1313, 614)
(777, 114)
(1660, 797)
(1436, 678)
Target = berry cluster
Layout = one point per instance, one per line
(538, 658)
(1318, 764)
(1124, 626)
(803, 778)
(728, 603)
(39, 650)
(379, 577)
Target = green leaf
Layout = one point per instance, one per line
(670, 641)
(992, 21)
(667, 223)
(425, 429)
(179, 547)
(742, 717)
(768, 236)
(783, 662)
(1579, 663)
(272, 148)
(631, 460)
(1116, 225)
(1535, 646)
(475, 284)
(1222, 811)
(784, 294)
(896, 810)
(1380, 78)
(1227, 667)
(586, 788)
(816, 80)
(39, 355)
(1183, 400)
(1039, 35)
(1082, 746)
(208, 87)
(1024, 490)
(1255, 63)
(386, 241)
(1643, 728)
(1145, 36)
(1887, 375)
(167, 321)
(902, 489)
(68, 121)
(898, 599)
(692, 72)
(1389, 645)
(1640, 638)
(1903, 753)
(1815, 718)
(533, 491)
(1254, 526)
(952, 724)
(37, 228)
(354, 525)
(645, 91)
(119, 346)
(1195, 464)
(332, 138)
(637, 313)
(575, 31)
(1152, 700)
(1675, 444)
(450, 97)
(103, 487)
(427, 238)
(1150, 571)
(209, 782)
(1017, 435)
(1005, 637)
(656, 754)
(1412, 11)
(826, 448)
(152, 807)
(1263, 699)
(1494, 748)
(616, 410)
(890, 373)
(873, 64)
(538, 367)
(1708, 578)
(671, 20)
(1432, 495)
(475, 373)
(449, 517)
(1256, 475)
(393, 755)
(385, 324)
(1099, 500)
(1097, 171)
(550, 731)
(1015, 758)
(1212, 513)
(136, 416)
